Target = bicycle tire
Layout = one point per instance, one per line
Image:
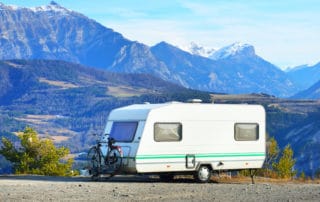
(94, 161)
(114, 161)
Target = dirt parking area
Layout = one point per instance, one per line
(139, 188)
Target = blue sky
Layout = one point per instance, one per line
(284, 32)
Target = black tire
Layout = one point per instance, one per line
(114, 161)
(94, 161)
(203, 174)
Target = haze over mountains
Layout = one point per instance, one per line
(305, 75)
(54, 32)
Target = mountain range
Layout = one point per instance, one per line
(54, 32)
(302, 77)
(305, 75)
(311, 93)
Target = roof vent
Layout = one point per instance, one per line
(194, 101)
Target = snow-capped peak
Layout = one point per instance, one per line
(8, 7)
(232, 50)
(196, 49)
(53, 6)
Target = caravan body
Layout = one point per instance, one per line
(182, 137)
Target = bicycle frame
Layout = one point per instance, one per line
(105, 158)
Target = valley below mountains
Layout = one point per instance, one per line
(62, 73)
(71, 100)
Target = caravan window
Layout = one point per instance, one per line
(246, 131)
(167, 132)
(123, 131)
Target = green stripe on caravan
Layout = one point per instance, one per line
(177, 156)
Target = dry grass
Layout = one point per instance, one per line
(61, 84)
(59, 138)
(243, 98)
(42, 124)
(60, 134)
(233, 96)
(125, 91)
(37, 119)
(90, 80)
(13, 65)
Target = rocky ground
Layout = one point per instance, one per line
(133, 188)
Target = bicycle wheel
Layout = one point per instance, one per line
(94, 161)
(114, 161)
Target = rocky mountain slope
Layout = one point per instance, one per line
(305, 76)
(54, 32)
(237, 69)
(311, 93)
(196, 49)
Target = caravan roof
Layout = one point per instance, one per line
(135, 112)
(178, 110)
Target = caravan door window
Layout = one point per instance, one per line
(167, 132)
(123, 131)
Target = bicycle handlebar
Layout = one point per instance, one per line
(111, 141)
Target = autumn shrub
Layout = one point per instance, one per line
(36, 156)
(285, 166)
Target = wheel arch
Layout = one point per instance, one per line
(209, 165)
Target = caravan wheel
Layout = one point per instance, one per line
(203, 174)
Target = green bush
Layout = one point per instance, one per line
(37, 156)
(284, 167)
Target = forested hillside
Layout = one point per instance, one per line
(67, 100)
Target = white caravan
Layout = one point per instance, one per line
(174, 138)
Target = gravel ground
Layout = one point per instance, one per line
(37, 188)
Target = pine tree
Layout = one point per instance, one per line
(36, 156)
(285, 166)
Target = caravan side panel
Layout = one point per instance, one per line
(208, 137)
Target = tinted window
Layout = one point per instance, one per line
(123, 131)
(167, 132)
(246, 131)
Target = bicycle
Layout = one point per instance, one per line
(104, 158)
